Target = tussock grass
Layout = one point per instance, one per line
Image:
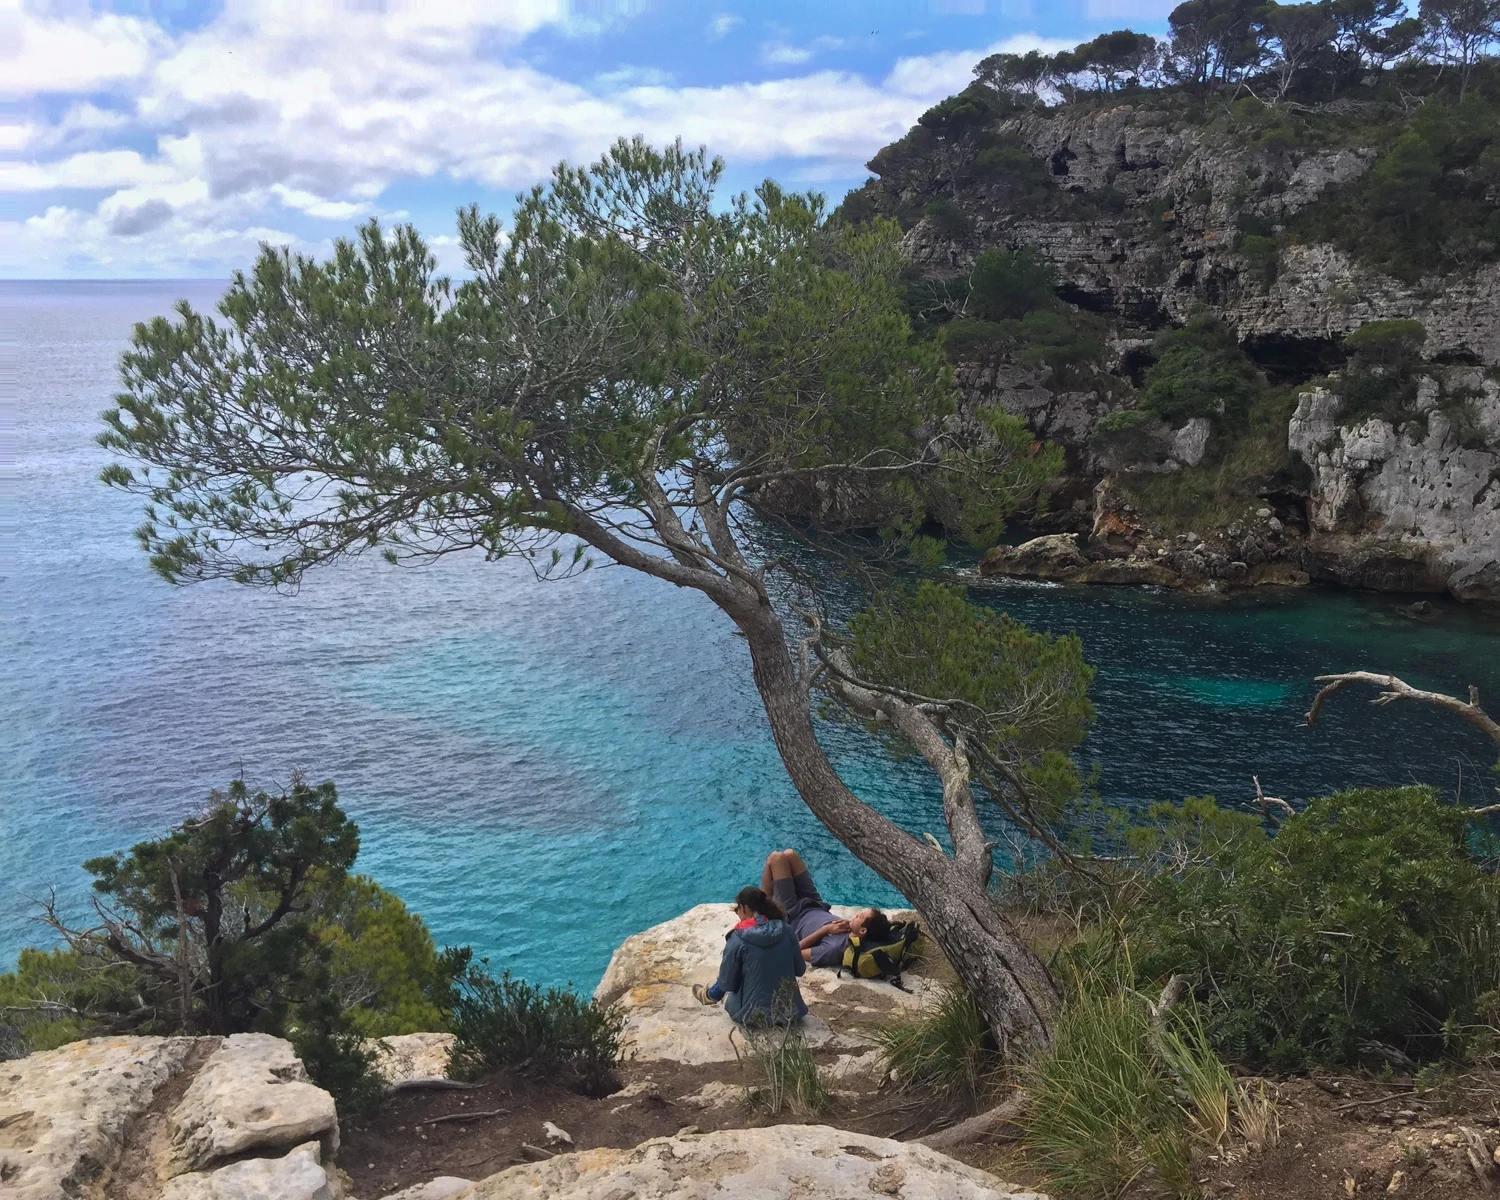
(1200, 1073)
(945, 1050)
(1259, 1122)
(1102, 1117)
(783, 1077)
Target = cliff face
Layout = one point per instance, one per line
(1143, 214)
(1182, 196)
(1424, 493)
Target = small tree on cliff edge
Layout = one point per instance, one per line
(624, 373)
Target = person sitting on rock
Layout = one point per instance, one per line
(758, 971)
(821, 936)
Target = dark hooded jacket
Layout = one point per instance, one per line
(759, 971)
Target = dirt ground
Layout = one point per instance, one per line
(417, 1135)
(1341, 1136)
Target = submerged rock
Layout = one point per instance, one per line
(652, 973)
(775, 1163)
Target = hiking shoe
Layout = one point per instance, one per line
(700, 994)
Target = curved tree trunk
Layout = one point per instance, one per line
(1010, 984)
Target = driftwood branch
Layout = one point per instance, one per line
(467, 1116)
(986, 1125)
(433, 1084)
(1396, 689)
(1268, 802)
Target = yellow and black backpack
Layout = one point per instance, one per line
(885, 959)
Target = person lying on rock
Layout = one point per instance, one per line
(758, 971)
(821, 936)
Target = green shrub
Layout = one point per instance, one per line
(57, 996)
(381, 958)
(335, 1055)
(1367, 917)
(965, 339)
(1390, 345)
(1423, 207)
(1262, 257)
(946, 1049)
(948, 220)
(1009, 284)
(1128, 436)
(971, 107)
(509, 1022)
(1200, 371)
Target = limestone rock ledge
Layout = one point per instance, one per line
(652, 973)
(774, 1163)
(252, 1094)
(80, 1120)
(64, 1113)
(297, 1175)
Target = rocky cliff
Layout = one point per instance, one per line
(1142, 210)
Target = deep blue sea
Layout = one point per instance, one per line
(541, 769)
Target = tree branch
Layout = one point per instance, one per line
(1395, 689)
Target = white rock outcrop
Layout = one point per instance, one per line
(780, 1162)
(251, 1095)
(652, 973)
(412, 1059)
(297, 1175)
(1426, 488)
(64, 1113)
(441, 1188)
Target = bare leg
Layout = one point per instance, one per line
(778, 866)
(794, 863)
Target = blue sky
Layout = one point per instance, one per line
(167, 138)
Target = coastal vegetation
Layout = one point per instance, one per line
(626, 377)
(245, 917)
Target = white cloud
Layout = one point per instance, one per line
(41, 54)
(626, 76)
(781, 55)
(724, 23)
(316, 206)
(92, 169)
(276, 110)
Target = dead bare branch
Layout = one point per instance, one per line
(1396, 689)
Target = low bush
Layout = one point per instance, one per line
(336, 1056)
(1129, 1095)
(1127, 436)
(1368, 917)
(948, 220)
(509, 1022)
(1008, 284)
(1200, 371)
(945, 1050)
(1381, 378)
(1262, 257)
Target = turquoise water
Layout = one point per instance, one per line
(542, 769)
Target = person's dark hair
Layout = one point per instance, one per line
(758, 902)
(877, 926)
